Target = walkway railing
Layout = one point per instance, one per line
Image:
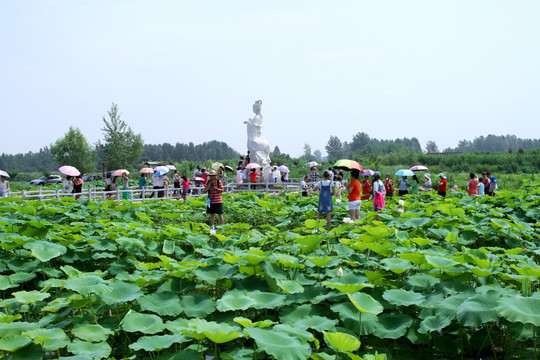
(147, 194)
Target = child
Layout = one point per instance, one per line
(325, 197)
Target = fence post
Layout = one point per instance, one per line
(117, 193)
(56, 193)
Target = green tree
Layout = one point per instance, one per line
(431, 147)
(318, 155)
(122, 146)
(334, 148)
(307, 151)
(276, 152)
(74, 150)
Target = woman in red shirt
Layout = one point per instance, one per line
(442, 185)
(366, 188)
(354, 188)
(253, 178)
(472, 184)
(214, 188)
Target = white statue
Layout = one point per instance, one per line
(257, 145)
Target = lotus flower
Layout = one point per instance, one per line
(456, 186)
(340, 272)
(400, 210)
(401, 202)
(338, 201)
(348, 220)
(477, 203)
(213, 232)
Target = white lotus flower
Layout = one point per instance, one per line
(338, 200)
(348, 220)
(401, 202)
(213, 232)
(340, 272)
(400, 210)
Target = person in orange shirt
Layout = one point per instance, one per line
(366, 188)
(354, 188)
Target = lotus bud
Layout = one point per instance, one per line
(340, 272)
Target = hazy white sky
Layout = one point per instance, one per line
(184, 71)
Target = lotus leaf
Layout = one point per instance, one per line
(91, 333)
(86, 284)
(235, 300)
(520, 309)
(439, 262)
(216, 332)
(278, 344)
(98, 350)
(50, 339)
(365, 303)
(434, 323)
(44, 250)
(478, 309)
(341, 341)
(145, 323)
(16, 328)
(416, 222)
(290, 286)
(163, 303)
(197, 305)
(120, 292)
(392, 326)
(402, 297)
(157, 342)
(246, 322)
(30, 297)
(14, 342)
(396, 265)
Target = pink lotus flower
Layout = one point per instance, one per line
(212, 232)
(456, 186)
(400, 210)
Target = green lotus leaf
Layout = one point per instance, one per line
(235, 300)
(402, 297)
(267, 300)
(520, 309)
(392, 326)
(216, 332)
(365, 303)
(440, 262)
(120, 292)
(478, 309)
(359, 322)
(157, 342)
(91, 332)
(348, 288)
(342, 341)
(98, 350)
(278, 344)
(16, 328)
(197, 305)
(145, 323)
(30, 297)
(434, 323)
(416, 222)
(319, 323)
(44, 250)
(50, 339)
(5, 282)
(414, 257)
(396, 265)
(86, 284)
(290, 286)
(320, 261)
(14, 342)
(246, 322)
(163, 303)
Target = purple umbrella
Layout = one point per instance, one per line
(170, 167)
(367, 172)
(283, 169)
(419, 168)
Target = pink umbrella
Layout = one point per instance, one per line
(146, 171)
(170, 167)
(419, 168)
(253, 166)
(69, 170)
(197, 178)
(367, 172)
(119, 172)
(160, 167)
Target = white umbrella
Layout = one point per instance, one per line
(311, 164)
(3, 173)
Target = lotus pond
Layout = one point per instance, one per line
(430, 278)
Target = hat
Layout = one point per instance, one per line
(212, 173)
(492, 179)
(427, 175)
(441, 175)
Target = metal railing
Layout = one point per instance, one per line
(147, 194)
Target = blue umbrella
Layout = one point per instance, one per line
(161, 172)
(405, 172)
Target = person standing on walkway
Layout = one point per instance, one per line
(125, 186)
(354, 189)
(4, 187)
(214, 205)
(326, 188)
(142, 183)
(389, 186)
(472, 184)
(77, 186)
(442, 185)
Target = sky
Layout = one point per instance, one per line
(190, 71)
